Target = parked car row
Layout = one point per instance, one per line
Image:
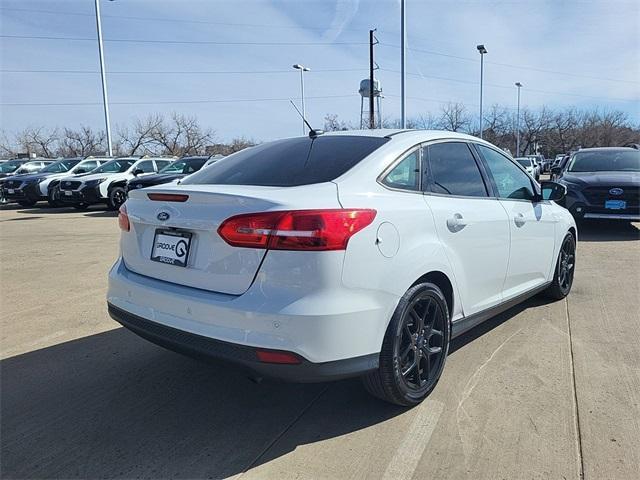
(80, 182)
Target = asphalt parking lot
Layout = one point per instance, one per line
(546, 390)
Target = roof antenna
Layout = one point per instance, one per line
(312, 133)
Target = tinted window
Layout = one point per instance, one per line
(163, 163)
(8, 167)
(115, 166)
(87, 166)
(605, 161)
(60, 167)
(510, 181)
(454, 170)
(406, 174)
(290, 162)
(146, 166)
(525, 162)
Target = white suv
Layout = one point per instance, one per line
(343, 254)
(94, 188)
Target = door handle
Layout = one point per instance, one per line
(519, 220)
(456, 223)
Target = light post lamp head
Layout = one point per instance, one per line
(518, 84)
(481, 49)
(297, 66)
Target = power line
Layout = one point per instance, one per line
(170, 102)
(176, 20)
(179, 42)
(510, 87)
(510, 65)
(182, 72)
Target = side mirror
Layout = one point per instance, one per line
(556, 170)
(137, 172)
(80, 170)
(553, 191)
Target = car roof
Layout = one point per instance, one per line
(606, 149)
(426, 135)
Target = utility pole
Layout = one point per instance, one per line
(372, 115)
(482, 52)
(103, 75)
(403, 41)
(519, 85)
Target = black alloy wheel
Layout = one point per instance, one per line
(117, 196)
(565, 269)
(414, 349)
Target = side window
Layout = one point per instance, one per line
(406, 174)
(146, 166)
(454, 170)
(510, 181)
(88, 166)
(162, 163)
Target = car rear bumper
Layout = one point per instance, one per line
(331, 344)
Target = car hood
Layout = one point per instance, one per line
(605, 179)
(85, 177)
(30, 177)
(156, 178)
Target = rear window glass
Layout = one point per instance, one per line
(290, 162)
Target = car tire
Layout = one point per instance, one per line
(117, 196)
(414, 348)
(26, 203)
(53, 197)
(564, 271)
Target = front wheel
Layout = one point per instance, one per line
(53, 197)
(414, 348)
(565, 268)
(117, 196)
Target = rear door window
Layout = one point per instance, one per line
(290, 162)
(406, 174)
(454, 171)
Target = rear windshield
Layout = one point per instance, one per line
(525, 162)
(606, 161)
(290, 162)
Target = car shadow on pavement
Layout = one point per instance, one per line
(607, 231)
(114, 405)
(102, 214)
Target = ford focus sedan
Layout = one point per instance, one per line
(346, 254)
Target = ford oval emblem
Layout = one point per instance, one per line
(162, 216)
(616, 191)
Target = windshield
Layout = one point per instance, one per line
(606, 161)
(114, 166)
(184, 166)
(8, 167)
(290, 162)
(59, 167)
(525, 162)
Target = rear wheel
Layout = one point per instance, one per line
(117, 196)
(565, 268)
(414, 349)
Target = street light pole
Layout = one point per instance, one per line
(403, 41)
(482, 51)
(302, 69)
(519, 85)
(103, 76)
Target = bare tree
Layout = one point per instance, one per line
(39, 140)
(7, 145)
(454, 117)
(139, 139)
(332, 124)
(82, 142)
(181, 135)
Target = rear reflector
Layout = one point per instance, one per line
(316, 230)
(276, 356)
(123, 219)
(167, 197)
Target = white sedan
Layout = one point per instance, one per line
(343, 254)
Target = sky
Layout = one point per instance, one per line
(230, 62)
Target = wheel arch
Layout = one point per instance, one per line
(442, 281)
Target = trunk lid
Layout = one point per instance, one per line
(211, 263)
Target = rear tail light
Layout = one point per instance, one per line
(296, 229)
(277, 356)
(167, 197)
(123, 219)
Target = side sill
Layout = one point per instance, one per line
(467, 323)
